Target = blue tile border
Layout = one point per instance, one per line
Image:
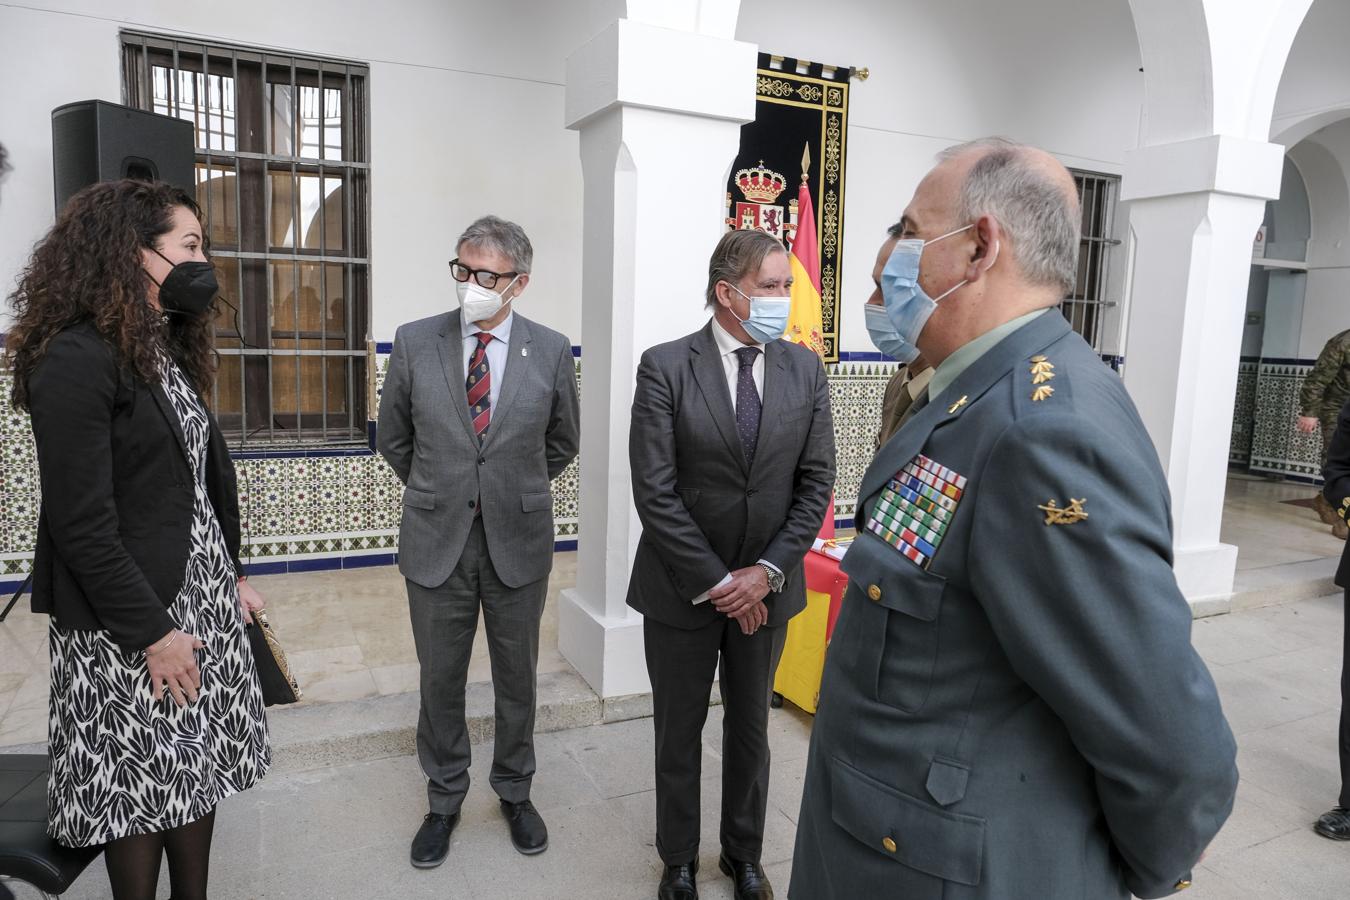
(387, 347)
(864, 356)
(315, 453)
(1284, 361)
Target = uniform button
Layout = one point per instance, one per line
(874, 593)
(482, 460)
(1181, 885)
(751, 492)
(889, 844)
(470, 504)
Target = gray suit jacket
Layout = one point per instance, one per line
(704, 511)
(426, 435)
(1024, 718)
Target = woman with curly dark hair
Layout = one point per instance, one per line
(156, 712)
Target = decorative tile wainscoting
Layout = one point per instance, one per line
(1277, 447)
(1244, 413)
(309, 509)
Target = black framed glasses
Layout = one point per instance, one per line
(483, 277)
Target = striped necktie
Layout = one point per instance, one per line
(479, 387)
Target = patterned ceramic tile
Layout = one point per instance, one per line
(294, 508)
(1244, 414)
(1277, 447)
(856, 390)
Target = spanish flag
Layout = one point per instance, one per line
(805, 325)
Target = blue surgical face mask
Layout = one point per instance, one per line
(768, 316)
(906, 304)
(885, 337)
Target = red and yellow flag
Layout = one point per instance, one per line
(805, 323)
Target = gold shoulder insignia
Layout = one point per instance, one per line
(1041, 393)
(1067, 515)
(1042, 370)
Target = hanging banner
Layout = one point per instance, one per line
(801, 122)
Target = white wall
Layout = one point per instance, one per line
(1324, 161)
(1315, 88)
(466, 118)
(1061, 74)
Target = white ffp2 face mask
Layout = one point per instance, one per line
(479, 303)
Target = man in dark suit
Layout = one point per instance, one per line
(478, 414)
(1335, 824)
(732, 456)
(1011, 706)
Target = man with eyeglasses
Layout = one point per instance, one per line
(478, 415)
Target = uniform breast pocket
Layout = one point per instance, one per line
(898, 605)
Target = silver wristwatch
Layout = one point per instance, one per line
(775, 578)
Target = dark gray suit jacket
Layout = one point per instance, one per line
(704, 511)
(1025, 718)
(426, 436)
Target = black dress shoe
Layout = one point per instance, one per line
(749, 878)
(1334, 824)
(678, 883)
(432, 843)
(529, 834)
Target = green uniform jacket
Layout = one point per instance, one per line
(1018, 715)
(1327, 386)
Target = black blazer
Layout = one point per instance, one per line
(704, 511)
(117, 493)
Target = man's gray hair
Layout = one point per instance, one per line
(739, 253)
(1041, 219)
(498, 235)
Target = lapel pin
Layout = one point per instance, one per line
(957, 405)
(524, 351)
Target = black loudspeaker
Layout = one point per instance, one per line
(95, 141)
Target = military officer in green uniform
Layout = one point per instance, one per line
(1325, 391)
(1011, 707)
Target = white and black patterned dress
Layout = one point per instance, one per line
(122, 764)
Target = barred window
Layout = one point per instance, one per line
(1086, 307)
(283, 181)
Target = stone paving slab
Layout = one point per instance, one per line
(342, 831)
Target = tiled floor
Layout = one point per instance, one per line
(1269, 532)
(347, 632)
(342, 833)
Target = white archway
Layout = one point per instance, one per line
(1197, 189)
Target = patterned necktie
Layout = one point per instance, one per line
(479, 387)
(747, 402)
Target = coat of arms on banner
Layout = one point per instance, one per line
(801, 112)
(759, 187)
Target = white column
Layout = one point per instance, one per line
(1197, 190)
(659, 99)
(1194, 209)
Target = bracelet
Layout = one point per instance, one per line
(173, 637)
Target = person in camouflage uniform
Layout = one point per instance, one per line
(1325, 391)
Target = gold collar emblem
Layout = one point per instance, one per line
(1067, 515)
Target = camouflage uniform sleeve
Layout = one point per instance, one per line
(1324, 371)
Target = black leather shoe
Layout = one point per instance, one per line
(529, 834)
(432, 843)
(679, 883)
(749, 878)
(1335, 824)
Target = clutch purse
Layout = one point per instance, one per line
(274, 673)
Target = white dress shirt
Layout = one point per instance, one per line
(727, 345)
(496, 353)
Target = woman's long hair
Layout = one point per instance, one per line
(88, 269)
